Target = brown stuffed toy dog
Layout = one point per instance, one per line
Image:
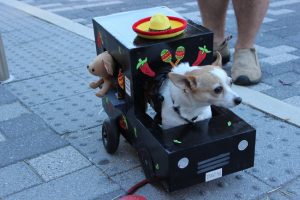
(103, 66)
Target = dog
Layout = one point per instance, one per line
(189, 92)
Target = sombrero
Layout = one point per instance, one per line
(159, 26)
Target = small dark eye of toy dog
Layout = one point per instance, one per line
(218, 89)
(93, 70)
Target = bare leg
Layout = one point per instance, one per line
(249, 15)
(213, 13)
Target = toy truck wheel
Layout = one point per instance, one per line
(147, 163)
(110, 136)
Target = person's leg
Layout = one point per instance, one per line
(213, 13)
(249, 14)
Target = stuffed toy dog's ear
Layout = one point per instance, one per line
(183, 82)
(218, 61)
(108, 67)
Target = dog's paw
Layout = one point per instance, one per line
(93, 85)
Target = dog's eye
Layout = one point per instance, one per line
(218, 89)
(93, 70)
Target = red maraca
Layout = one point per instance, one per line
(166, 56)
(179, 54)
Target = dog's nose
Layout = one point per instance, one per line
(237, 100)
(87, 66)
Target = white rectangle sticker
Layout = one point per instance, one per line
(127, 86)
(213, 175)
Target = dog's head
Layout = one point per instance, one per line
(206, 85)
(102, 65)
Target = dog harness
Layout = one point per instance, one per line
(177, 110)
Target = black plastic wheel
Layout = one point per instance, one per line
(110, 136)
(147, 163)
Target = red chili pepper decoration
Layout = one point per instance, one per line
(99, 40)
(144, 67)
(201, 55)
(121, 80)
(123, 123)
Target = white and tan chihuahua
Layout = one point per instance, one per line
(190, 91)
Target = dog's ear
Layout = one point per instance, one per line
(182, 81)
(218, 61)
(108, 67)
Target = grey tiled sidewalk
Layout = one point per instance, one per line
(50, 145)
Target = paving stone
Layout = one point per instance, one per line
(6, 97)
(72, 113)
(17, 177)
(10, 111)
(89, 142)
(283, 92)
(25, 124)
(288, 78)
(69, 49)
(292, 189)
(260, 87)
(58, 51)
(235, 186)
(276, 50)
(289, 191)
(27, 29)
(23, 36)
(268, 40)
(111, 195)
(9, 10)
(58, 163)
(88, 183)
(274, 196)
(277, 147)
(48, 88)
(277, 54)
(279, 59)
(83, 73)
(8, 15)
(2, 138)
(295, 101)
(29, 64)
(286, 25)
(296, 65)
(14, 150)
(277, 69)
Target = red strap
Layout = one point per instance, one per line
(140, 184)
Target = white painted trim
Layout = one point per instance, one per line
(52, 18)
(251, 97)
(269, 105)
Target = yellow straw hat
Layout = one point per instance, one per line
(159, 26)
